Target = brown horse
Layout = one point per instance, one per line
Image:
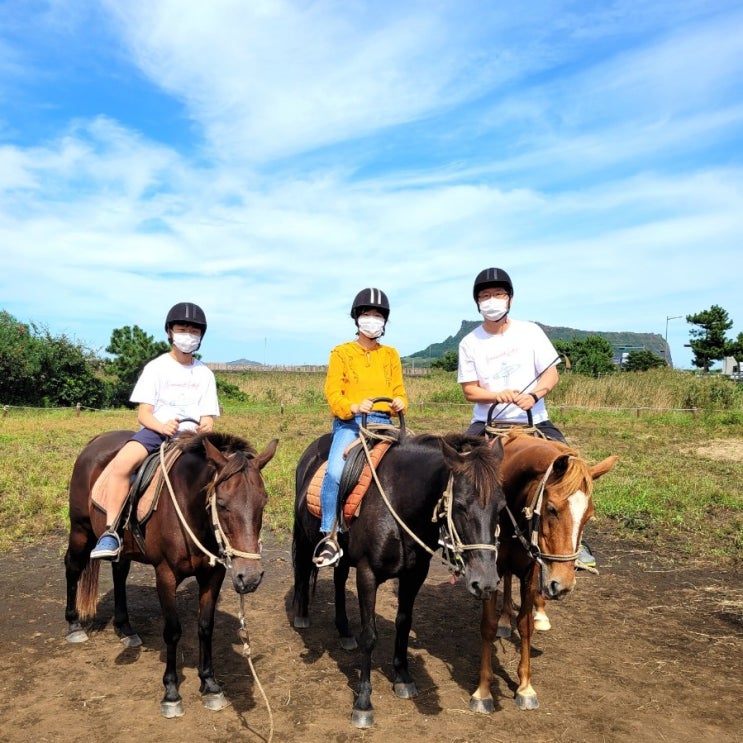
(208, 519)
(548, 493)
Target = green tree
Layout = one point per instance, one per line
(18, 363)
(708, 341)
(735, 348)
(642, 361)
(68, 373)
(591, 355)
(449, 362)
(132, 349)
(39, 369)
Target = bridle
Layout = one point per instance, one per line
(453, 547)
(226, 550)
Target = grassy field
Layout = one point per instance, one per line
(679, 439)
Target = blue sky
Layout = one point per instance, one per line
(269, 159)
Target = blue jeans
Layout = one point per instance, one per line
(344, 433)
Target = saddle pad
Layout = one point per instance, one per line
(353, 502)
(148, 500)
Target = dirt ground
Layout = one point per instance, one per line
(649, 650)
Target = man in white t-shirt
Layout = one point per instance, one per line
(505, 362)
(509, 365)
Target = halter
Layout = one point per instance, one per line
(443, 508)
(226, 551)
(532, 512)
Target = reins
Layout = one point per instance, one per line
(442, 510)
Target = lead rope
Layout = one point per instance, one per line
(213, 559)
(245, 637)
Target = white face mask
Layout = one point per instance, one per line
(186, 342)
(371, 326)
(493, 308)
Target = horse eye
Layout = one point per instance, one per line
(551, 510)
(222, 506)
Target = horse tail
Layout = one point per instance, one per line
(305, 571)
(87, 590)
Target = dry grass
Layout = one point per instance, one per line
(672, 488)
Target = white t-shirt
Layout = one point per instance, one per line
(176, 390)
(510, 360)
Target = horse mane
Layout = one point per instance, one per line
(237, 449)
(227, 443)
(481, 465)
(577, 475)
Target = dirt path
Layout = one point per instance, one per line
(647, 651)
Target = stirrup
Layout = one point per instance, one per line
(328, 552)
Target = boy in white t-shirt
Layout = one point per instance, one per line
(173, 391)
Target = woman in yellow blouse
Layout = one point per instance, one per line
(357, 372)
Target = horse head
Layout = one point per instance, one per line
(474, 507)
(236, 499)
(550, 490)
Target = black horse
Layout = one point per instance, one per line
(424, 482)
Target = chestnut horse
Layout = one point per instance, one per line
(423, 484)
(208, 519)
(548, 493)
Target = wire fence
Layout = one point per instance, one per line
(638, 410)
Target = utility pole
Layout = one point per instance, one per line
(665, 350)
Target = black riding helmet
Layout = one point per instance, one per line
(187, 313)
(492, 277)
(371, 299)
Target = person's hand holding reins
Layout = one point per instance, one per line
(365, 406)
(170, 428)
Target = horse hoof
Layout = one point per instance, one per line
(526, 702)
(349, 643)
(79, 635)
(131, 641)
(542, 625)
(362, 718)
(405, 691)
(301, 622)
(172, 709)
(215, 702)
(483, 706)
(503, 632)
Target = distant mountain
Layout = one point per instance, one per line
(620, 341)
(244, 362)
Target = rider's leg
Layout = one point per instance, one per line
(344, 434)
(116, 484)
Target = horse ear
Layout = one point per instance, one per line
(212, 453)
(603, 466)
(267, 454)
(560, 465)
(497, 446)
(451, 455)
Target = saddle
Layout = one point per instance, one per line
(355, 480)
(144, 493)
